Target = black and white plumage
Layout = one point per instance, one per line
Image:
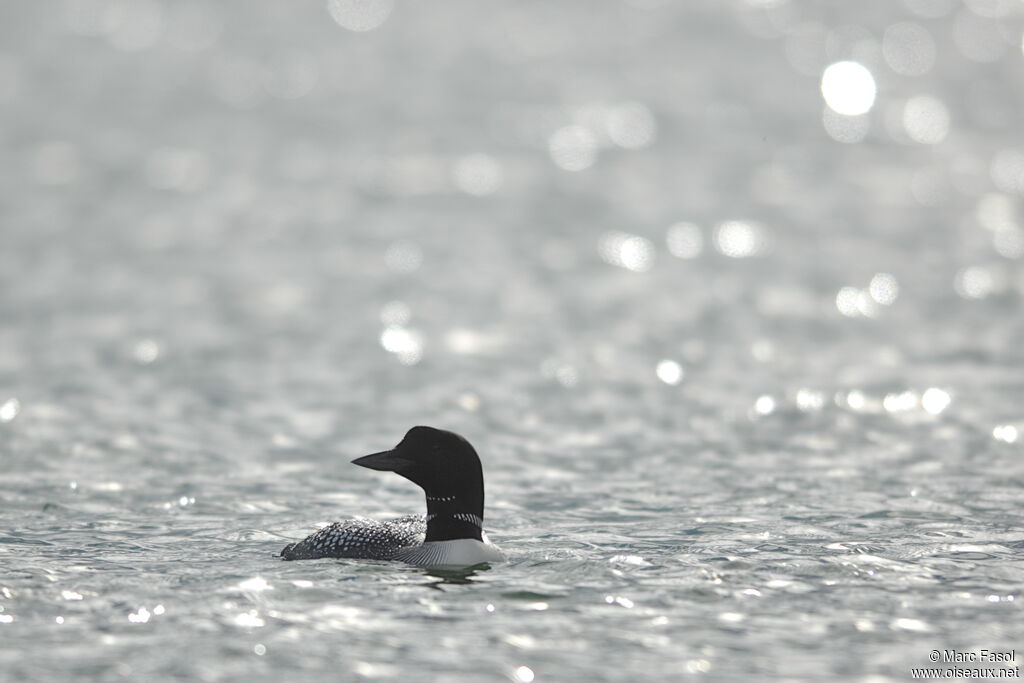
(450, 535)
(361, 538)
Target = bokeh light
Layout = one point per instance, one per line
(901, 402)
(1006, 433)
(935, 400)
(975, 282)
(930, 9)
(846, 129)
(669, 371)
(740, 239)
(996, 211)
(846, 301)
(524, 674)
(395, 313)
(631, 125)
(809, 400)
(631, 252)
(573, 148)
(764, 405)
(684, 240)
(9, 409)
(848, 88)
(360, 15)
(926, 120)
(406, 344)
(884, 289)
(1008, 242)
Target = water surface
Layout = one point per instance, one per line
(737, 335)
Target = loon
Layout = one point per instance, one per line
(451, 534)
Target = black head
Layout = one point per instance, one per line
(443, 464)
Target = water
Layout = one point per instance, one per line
(737, 335)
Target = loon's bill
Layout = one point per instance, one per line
(451, 534)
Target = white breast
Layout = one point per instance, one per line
(463, 552)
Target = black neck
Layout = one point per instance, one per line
(450, 518)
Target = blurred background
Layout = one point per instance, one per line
(662, 262)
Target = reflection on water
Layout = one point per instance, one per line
(727, 293)
(455, 577)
